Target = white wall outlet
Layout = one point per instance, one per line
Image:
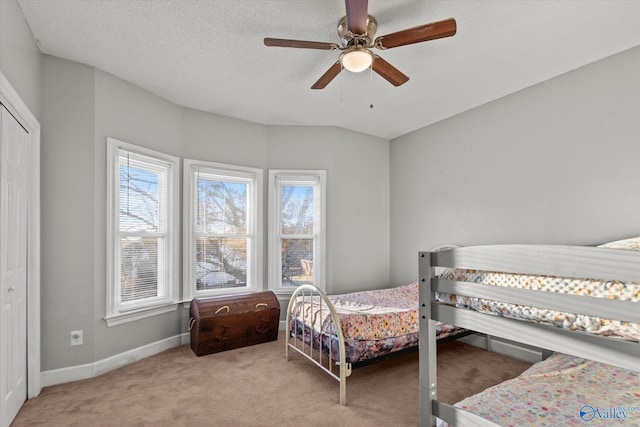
(76, 338)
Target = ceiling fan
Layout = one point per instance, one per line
(357, 30)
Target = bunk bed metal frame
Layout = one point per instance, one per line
(560, 261)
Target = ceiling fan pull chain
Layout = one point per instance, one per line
(371, 87)
(341, 79)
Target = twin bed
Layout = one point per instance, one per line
(342, 332)
(555, 297)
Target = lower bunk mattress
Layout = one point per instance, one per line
(562, 390)
(374, 323)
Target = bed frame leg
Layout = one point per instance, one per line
(287, 331)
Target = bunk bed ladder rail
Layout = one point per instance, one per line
(428, 377)
(308, 317)
(430, 407)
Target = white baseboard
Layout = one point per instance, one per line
(65, 375)
(476, 340)
(508, 348)
(185, 338)
(90, 370)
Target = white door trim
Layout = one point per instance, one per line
(16, 106)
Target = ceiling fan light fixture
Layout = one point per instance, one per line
(356, 59)
(357, 31)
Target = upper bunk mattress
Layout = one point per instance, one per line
(629, 291)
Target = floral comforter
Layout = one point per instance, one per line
(374, 322)
(597, 288)
(562, 390)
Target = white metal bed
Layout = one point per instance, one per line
(319, 332)
(560, 261)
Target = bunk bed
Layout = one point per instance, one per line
(559, 298)
(342, 332)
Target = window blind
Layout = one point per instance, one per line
(143, 226)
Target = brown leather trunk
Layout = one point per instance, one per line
(227, 322)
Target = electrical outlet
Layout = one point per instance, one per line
(76, 338)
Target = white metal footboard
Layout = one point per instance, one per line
(317, 300)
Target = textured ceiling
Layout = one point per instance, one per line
(209, 54)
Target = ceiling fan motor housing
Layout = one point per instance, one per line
(351, 40)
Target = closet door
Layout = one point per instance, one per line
(13, 266)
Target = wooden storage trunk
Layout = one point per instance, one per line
(227, 322)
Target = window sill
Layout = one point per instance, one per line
(287, 292)
(223, 293)
(119, 319)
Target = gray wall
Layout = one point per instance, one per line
(19, 55)
(83, 106)
(127, 113)
(556, 163)
(67, 210)
(357, 198)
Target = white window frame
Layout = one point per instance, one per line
(118, 312)
(251, 176)
(317, 179)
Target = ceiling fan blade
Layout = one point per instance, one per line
(299, 44)
(388, 71)
(421, 33)
(357, 16)
(329, 75)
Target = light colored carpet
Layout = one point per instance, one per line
(256, 386)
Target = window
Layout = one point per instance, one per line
(297, 229)
(142, 236)
(223, 225)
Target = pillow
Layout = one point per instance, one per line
(632, 244)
